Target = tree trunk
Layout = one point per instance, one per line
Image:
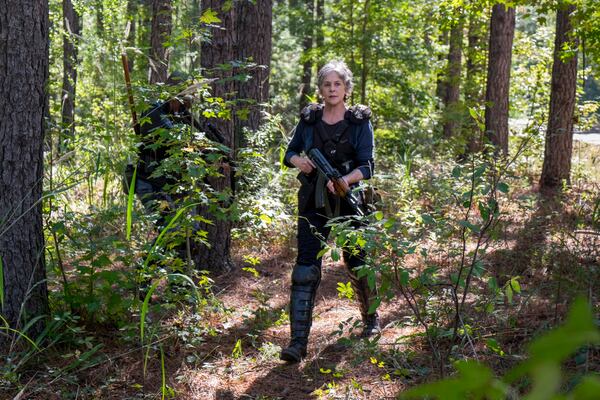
(365, 54)
(319, 34)
(24, 74)
(306, 29)
(219, 50)
(440, 87)
(452, 97)
(254, 33)
(162, 21)
(559, 136)
(132, 11)
(474, 93)
(99, 8)
(70, 46)
(502, 30)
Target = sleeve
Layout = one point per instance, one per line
(296, 145)
(365, 145)
(155, 118)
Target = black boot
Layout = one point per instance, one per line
(305, 281)
(366, 297)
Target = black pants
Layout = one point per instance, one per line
(311, 229)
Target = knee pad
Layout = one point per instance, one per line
(306, 275)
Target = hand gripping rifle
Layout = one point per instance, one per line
(334, 176)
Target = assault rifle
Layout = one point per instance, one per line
(334, 176)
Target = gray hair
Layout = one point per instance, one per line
(341, 69)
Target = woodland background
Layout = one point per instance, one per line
(486, 234)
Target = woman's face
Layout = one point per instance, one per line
(333, 89)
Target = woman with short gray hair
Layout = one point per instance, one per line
(344, 136)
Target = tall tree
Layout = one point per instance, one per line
(23, 77)
(220, 50)
(319, 31)
(304, 27)
(244, 34)
(72, 31)
(474, 88)
(162, 23)
(365, 53)
(132, 11)
(253, 24)
(452, 95)
(502, 30)
(559, 135)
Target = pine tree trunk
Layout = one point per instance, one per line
(72, 28)
(502, 30)
(319, 34)
(440, 87)
(559, 136)
(474, 91)
(24, 74)
(254, 33)
(162, 21)
(219, 50)
(307, 31)
(452, 97)
(99, 13)
(132, 11)
(365, 54)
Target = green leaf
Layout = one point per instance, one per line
(588, 389)
(130, 198)
(484, 211)
(374, 305)
(335, 255)
(557, 345)
(468, 225)
(322, 252)
(473, 114)
(265, 218)
(456, 171)
(427, 219)
(503, 187)
(237, 351)
(378, 215)
(514, 284)
(404, 277)
(209, 17)
(509, 293)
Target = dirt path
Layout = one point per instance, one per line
(258, 319)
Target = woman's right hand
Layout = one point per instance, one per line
(303, 164)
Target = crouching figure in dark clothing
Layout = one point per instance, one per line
(164, 126)
(344, 135)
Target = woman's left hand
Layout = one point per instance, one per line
(343, 182)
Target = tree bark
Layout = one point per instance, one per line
(319, 34)
(474, 91)
(502, 30)
(559, 136)
(254, 33)
(452, 97)
(99, 13)
(132, 11)
(306, 29)
(219, 50)
(23, 77)
(440, 87)
(162, 22)
(365, 54)
(72, 29)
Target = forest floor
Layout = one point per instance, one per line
(229, 348)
